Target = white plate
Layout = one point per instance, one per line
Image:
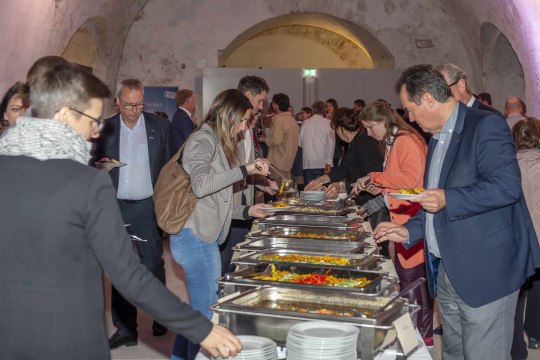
(323, 329)
(276, 209)
(406, 196)
(109, 164)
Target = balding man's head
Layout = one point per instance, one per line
(514, 105)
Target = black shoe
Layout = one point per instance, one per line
(118, 340)
(438, 331)
(158, 329)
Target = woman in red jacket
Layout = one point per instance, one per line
(403, 168)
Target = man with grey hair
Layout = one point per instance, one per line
(317, 140)
(514, 109)
(142, 141)
(456, 78)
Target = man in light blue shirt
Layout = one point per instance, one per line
(143, 142)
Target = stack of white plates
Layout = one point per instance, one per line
(313, 195)
(255, 348)
(322, 340)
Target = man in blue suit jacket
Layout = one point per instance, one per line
(182, 124)
(480, 241)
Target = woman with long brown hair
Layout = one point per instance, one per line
(211, 159)
(403, 168)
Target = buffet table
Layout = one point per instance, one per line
(315, 263)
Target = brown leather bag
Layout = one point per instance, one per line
(174, 200)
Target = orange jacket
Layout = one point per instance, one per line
(405, 167)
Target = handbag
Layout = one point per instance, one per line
(174, 200)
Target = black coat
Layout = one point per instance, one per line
(60, 228)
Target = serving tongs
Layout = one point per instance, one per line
(131, 234)
(340, 204)
(403, 292)
(279, 178)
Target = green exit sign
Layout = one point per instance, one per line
(310, 72)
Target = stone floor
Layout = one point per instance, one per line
(154, 348)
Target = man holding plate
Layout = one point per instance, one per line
(480, 241)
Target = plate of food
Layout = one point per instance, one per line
(408, 194)
(277, 206)
(109, 164)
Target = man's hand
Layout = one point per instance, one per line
(103, 167)
(221, 342)
(432, 200)
(391, 232)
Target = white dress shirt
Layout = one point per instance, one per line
(135, 180)
(317, 139)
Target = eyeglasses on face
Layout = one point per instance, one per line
(131, 106)
(98, 123)
(454, 83)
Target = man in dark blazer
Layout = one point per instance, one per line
(183, 122)
(480, 241)
(143, 142)
(456, 78)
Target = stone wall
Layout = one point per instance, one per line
(169, 33)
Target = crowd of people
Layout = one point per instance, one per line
(472, 233)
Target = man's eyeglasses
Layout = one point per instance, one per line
(454, 83)
(131, 106)
(98, 123)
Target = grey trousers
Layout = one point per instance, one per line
(485, 332)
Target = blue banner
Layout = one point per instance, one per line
(160, 98)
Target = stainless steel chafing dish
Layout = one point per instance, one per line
(328, 246)
(320, 210)
(355, 261)
(315, 233)
(325, 221)
(271, 311)
(246, 278)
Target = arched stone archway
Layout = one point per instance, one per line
(289, 41)
(503, 72)
(84, 46)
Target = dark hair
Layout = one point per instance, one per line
(182, 96)
(41, 65)
(421, 79)
(485, 97)
(65, 86)
(526, 133)
(308, 110)
(162, 114)
(380, 111)
(254, 84)
(282, 101)
(226, 110)
(319, 107)
(334, 103)
(347, 119)
(18, 89)
(360, 102)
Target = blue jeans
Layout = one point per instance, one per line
(312, 174)
(202, 267)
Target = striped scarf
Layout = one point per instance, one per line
(45, 139)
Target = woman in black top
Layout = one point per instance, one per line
(363, 156)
